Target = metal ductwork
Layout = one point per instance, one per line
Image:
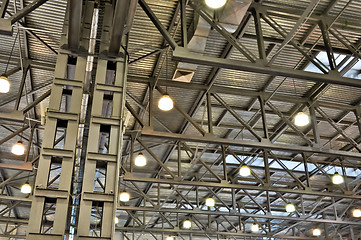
(229, 17)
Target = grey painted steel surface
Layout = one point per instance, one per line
(50, 153)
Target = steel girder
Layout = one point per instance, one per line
(335, 78)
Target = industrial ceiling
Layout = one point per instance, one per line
(238, 76)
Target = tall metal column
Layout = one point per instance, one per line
(52, 198)
(105, 125)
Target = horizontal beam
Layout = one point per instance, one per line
(183, 55)
(13, 198)
(252, 144)
(235, 214)
(206, 232)
(13, 220)
(240, 92)
(131, 177)
(23, 167)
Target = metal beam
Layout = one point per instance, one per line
(235, 213)
(75, 15)
(172, 43)
(253, 144)
(26, 10)
(119, 20)
(181, 54)
(130, 177)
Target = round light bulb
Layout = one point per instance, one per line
(140, 160)
(290, 208)
(4, 84)
(337, 179)
(170, 238)
(210, 202)
(356, 213)
(316, 232)
(18, 148)
(245, 171)
(187, 224)
(124, 197)
(26, 188)
(255, 228)
(215, 3)
(165, 103)
(116, 220)
(301, 119)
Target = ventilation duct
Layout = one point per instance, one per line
(229, 17)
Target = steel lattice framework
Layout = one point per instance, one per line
(103, 112)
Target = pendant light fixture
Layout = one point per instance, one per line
(165, 103)
(245, 171)
(337, 179)
(4, 84)
(26, 188)
(124, 196)
(4, 81)
(140, 160)
(356, 213)
(18, 148)
(301, 119)
(187, 224)
(215, 3)
(316, 232)
(210, 202)
(255, 228)
(290, 208)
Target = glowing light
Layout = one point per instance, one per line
(165, 103)
(316, 232)
(245, 171)
(187, 224)
(337, 179)
(215, 3)
(301, 119)
(124, 197)
(170, 238)
(4, 84)
(140, 160)
(210, 202)
(255, 228)
(356, 213)
(290, 208)
(26, 188)
(18, 148)
(116, 220)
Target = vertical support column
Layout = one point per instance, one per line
(110, 80)
(48, 193)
